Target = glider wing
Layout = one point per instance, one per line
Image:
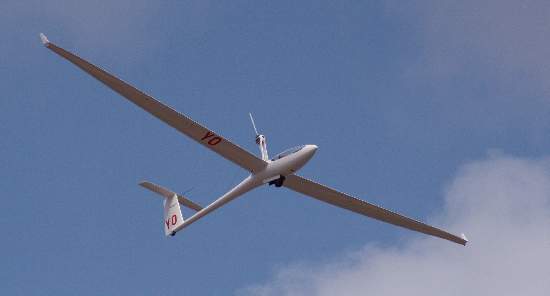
(180, 122)
(342, 200)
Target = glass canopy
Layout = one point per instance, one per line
(288, 152)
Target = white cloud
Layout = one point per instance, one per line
(508, 36)
(503, 203)
(478, 63)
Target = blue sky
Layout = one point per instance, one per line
(399, 97)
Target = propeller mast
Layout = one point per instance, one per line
(260, 140)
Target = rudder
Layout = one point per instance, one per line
(172, 215)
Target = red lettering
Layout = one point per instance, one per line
(208, 135)
(214, 141)
(174, 219)
(167, 224)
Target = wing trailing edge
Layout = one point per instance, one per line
(348, 202)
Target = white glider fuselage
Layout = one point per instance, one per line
(285, 163)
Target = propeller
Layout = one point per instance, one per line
(253, 124)
(260, 139)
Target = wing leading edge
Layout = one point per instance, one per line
(179, 121)
(342, 200)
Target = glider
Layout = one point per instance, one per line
(279, 170)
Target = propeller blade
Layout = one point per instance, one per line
(253, 124)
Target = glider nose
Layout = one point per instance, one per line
(312, 149)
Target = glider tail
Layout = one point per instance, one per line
(172, 215)
(172, 211)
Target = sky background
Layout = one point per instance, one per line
(438, 109)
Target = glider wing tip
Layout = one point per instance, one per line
(463, 236)
(144, 183)
(44, 39)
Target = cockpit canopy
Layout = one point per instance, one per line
(288, 152)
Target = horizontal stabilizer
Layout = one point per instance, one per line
(168, 194)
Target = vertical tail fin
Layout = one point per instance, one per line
(172, 215)
(172, 210)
